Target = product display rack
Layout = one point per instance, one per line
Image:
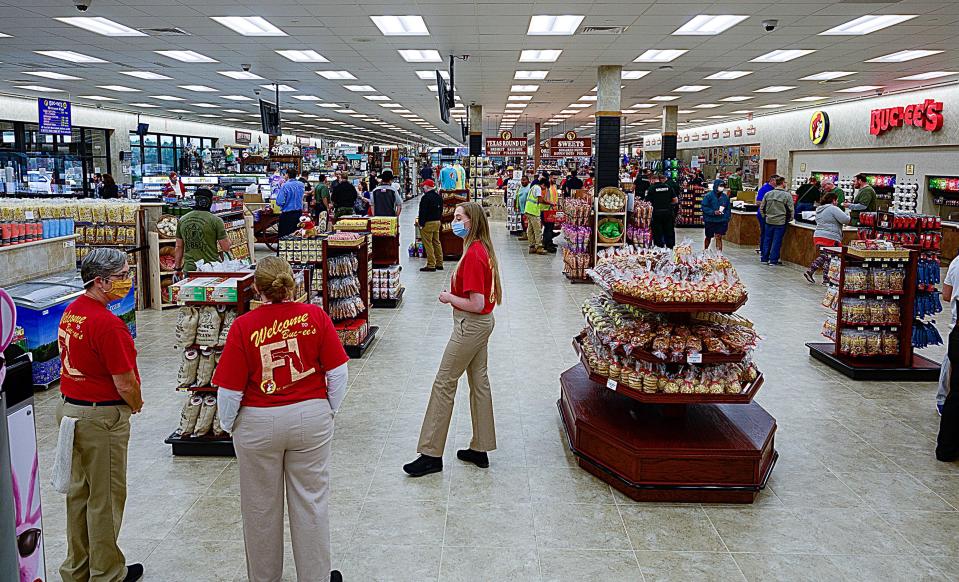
(361, 249)
(482, 179)
(578, 230)
(514, 217)
(599, 216)
(861, 348)
(452, 244)
(385, 252)
(691, 207)
(668, 447)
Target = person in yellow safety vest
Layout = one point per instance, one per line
(550, 199)
(533, 210)
(460, 176)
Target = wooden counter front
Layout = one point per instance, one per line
(797, 244)
(950, 243)
(743, 229)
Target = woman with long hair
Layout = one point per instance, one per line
(474, 290)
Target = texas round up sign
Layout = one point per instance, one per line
(819, 127)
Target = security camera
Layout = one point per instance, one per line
(246, 68)
(256, 91)
(770, 25)
(82, 5)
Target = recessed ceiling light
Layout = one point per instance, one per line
(903, 56)
(359, 88)
(233, 111)
(686, 111)
(297, 111)
(96, 97)
(691, 88)
(303, 56)
(665, 98)
(167, 98)
(376, 97)
(119, 88)
(743, 111)
(868, 23)
(782, 56)
(659, 56)
(632, 75)
(241, 75)
(707, 25)
(345, 111)
(643, 106)
(199, 88)
(774, 89)
(390, 105)
(209, 115)
(827, 75)
(336, 75)
(282, 88)
(717, 117)
(52, 75)
(530, 75)
(39, 88)
(523, 88)
(328, 105)
(580, 105)
(927, 76)
(771, 106)
(188, 111)
(70, 56)
(516, 105)
(588, 98)
(860, 89)
(187, 56)
(401, 25)
(236, 97)
(307, 98)
(539, 56)
(569, 111)
(519, 98)
(308, 115)
(565, 24)
(736, 98)
(708, 105)
(101, 25)
(205, 105)
(144, 105)
(431, 75)
(728, 75)
(249, 25)
(420, 56)
(147, 75)
(810, 99)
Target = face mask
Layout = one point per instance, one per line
(460, 230)
(119, 289)
(720, 190)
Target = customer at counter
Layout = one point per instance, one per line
(717, 211)
(807, 195)
(769, 185)
(776, 209)
(865, 199)
(829, 222)
(828, 185)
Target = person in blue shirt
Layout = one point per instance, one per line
(290, 200)
(716, 214)
(768, 186)
(448, 178)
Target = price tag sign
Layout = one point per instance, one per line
(28, 214)
(862, 296)
(895, 297)
(611, 384)
(695, 358)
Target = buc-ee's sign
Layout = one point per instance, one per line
(926, 115)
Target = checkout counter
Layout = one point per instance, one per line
(797, 244)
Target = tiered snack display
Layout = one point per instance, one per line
(873, 289)
(306, 254)
(578, 232)
(609, 215)
(639, 230)
(347, 271)
(385, 258)
(661, 404)
(691, 206)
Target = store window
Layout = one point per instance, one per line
(159, 154)
(59, 164)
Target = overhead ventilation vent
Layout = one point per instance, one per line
(558, 81)
(603, 30)
(172, 31)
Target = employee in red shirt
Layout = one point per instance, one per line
(100, 387)
(474, 290)
(281, 378)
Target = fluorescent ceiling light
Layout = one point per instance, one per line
(40, 88)
(523, 88)
(827, 75)
(420, 56)
(236, 97)
(430, 75)
(249, 25)
(297, 111)
(691, 88)
(717, 117)
(233, 111)
(860, 89)
(530, 75)
(707, 25)
(282, 88)
(630, 110)
(306, 56)
(539, 56)
(643, 106)
(144, 105)
(52, 75)
(810, 99)
(516, 105)
(345, 111)
(519, 98)
(71, 56)
(390, 105)
(686, 111)
(708, 106)
(927, 76)
(659, 56)
(569, 111)
(736, 98)
(728, 75)
(376, 97)
(167, 98)
(101, 25)
(359, 88)
(868, 23)
(782, 56)
(188, 111)
(199, 88)
(328, 105)
(542, 24)
(211, 115)
(903, 56)
(307, 98)
(96, 97)
(336, 75)
(632, 75)
(206, 105)
(580, 105)
(241, 75)
(774, 89)
(588, 98)
(307, 115)
(401, 25)
(119, 88)
(665, 98)
(771, 106)
(147, 75)
(187, 56)
(743, 111)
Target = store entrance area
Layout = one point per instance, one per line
(856, 492)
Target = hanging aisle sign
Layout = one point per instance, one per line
(926, 115)
(570, 146)
(54, 117)
(506, 145)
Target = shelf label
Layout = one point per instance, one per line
(893, 329)
(28, 214)
(67, 244)
(862, 296)
(695, 359)
(895, 297)
(611, 384)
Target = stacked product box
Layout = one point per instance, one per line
(385, 283)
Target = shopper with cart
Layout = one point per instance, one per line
(474, 290)
(281, 379)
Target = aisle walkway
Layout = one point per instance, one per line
(857, 493)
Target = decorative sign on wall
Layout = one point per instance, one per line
(506, 146)
(726, 133)
(738, 132)
(571, 148)
(926, 115)
(819, 127)
(243, 137)
(54, 117)
(751, 130)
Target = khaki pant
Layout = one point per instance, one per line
(430, 233)
(98, 492)
(465, 352)
(285, 445)
(534, 231)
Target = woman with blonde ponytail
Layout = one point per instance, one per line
(474, 290)
(281, 378)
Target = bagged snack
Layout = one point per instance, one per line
(228, 318)
(208, 328)
(186, 323)
(189, 363)
(189, 414)
(205, 420)
(204, 372)
(217, 429)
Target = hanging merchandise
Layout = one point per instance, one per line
(925, 334)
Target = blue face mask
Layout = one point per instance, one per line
(460, 230)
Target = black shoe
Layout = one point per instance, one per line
(424, 465)
(439, 267)
(428, 269)
(335, 576)
(551, 250)
(480, 459)
(134, 573)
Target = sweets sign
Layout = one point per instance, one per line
(571, 147)
(926, 115)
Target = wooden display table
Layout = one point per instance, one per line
(797, 244)
(743, 229)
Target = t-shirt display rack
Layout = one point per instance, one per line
(657, 440)
(452, 244)
(691, 207)
(873, 294)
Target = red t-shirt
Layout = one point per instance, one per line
(279, 354)
(474, 275)
(95, 345)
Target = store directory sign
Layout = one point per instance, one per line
(54, 117)
(505, 147)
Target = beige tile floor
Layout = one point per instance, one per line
(857, 493)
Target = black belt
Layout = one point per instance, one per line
(76, 402)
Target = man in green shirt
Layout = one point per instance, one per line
(200, 234)
(864, 201)
(829, 186)
(322, 196)
(734, 184)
